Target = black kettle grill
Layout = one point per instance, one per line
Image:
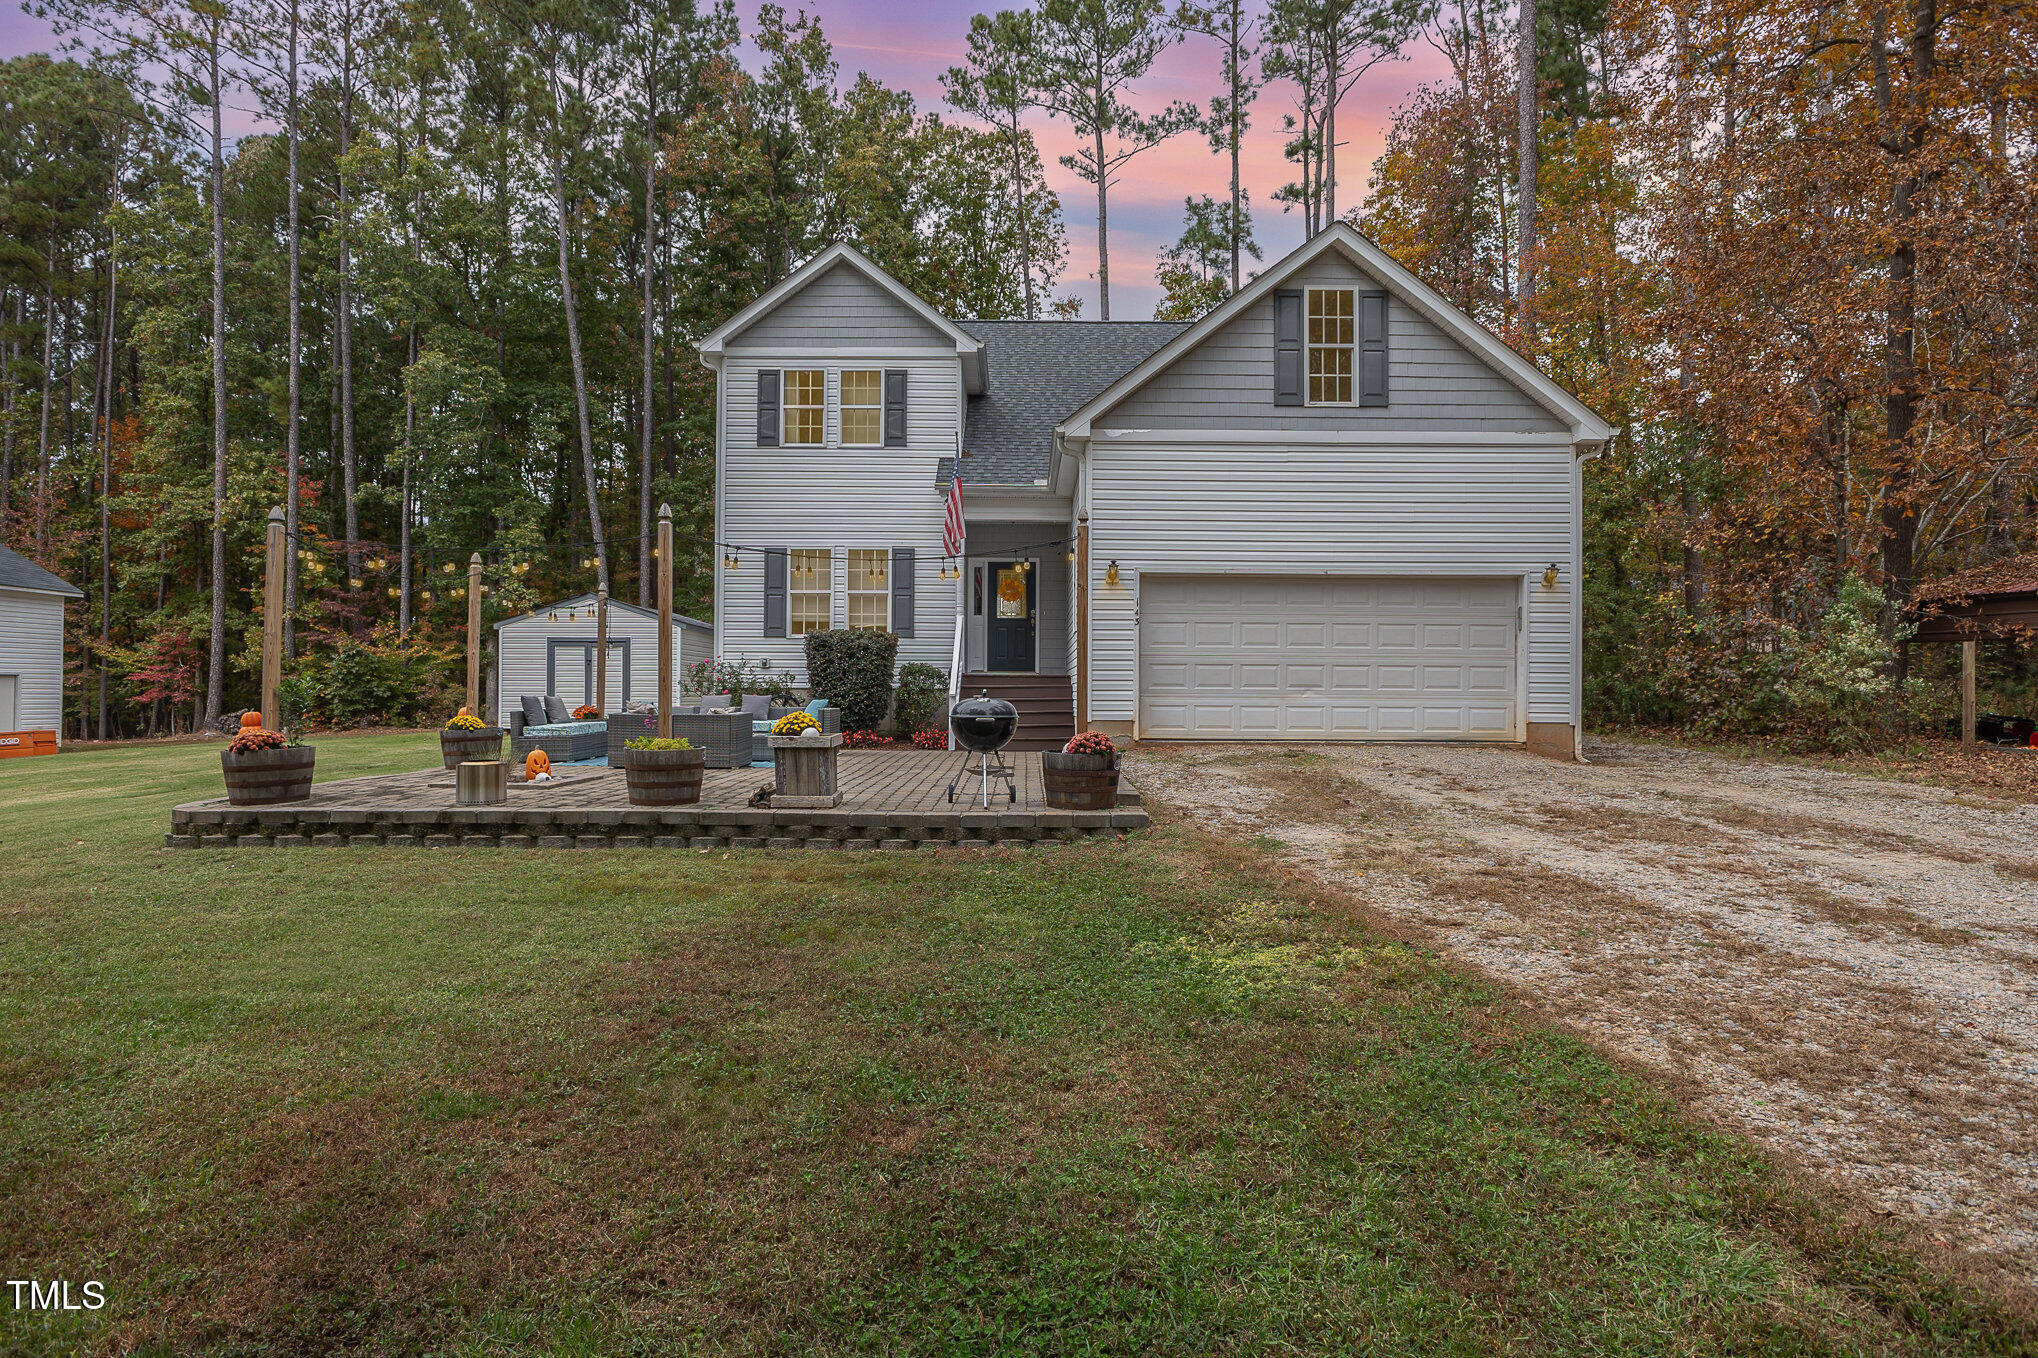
(983, 726)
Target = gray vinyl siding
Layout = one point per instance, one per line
(841, 306)
(1053, 591)
(32, 647)
(1328, 510)
(834, 497)
(1227, 381)
(522, 643)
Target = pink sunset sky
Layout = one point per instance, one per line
(909, 46)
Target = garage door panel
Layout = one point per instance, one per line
(1316, 657)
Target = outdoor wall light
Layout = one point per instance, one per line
(1550, 576)
(1111, 575)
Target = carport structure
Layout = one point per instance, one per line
(1997, 600)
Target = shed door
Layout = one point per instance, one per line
(10, 715)
(572, 677)
(1328, 658)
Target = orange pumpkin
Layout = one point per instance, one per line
(249, 719)
(535, 763)
(463, 712)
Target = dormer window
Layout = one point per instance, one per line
(806, 407)
(863, 407)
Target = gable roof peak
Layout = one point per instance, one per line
(713, 348)
(1586, 425)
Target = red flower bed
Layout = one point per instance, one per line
(931, 739)
(865, 740)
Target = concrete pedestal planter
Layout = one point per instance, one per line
(1079, 782)
(805, 769)
(664, 777)
(267, 777)
(466, 747)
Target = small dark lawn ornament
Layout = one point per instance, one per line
(983, 726)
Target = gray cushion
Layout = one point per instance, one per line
(534, 710)
(757, 704)
(555, 709)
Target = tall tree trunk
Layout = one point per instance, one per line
(1530, 121)
(292, 452)
(1103, 233)
(348, 467)
(648, 415)
(601, 551)
(1015, 133)
(108, 355)
(410, 427)
(12, 385)
(42, 441)
(1900, 373)
(1237, 133)
(215, 674)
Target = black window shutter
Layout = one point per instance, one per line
(774, 592)
(895, 407)
(767, 413)
(902, 591)
(1372, 348)
(1288, 348)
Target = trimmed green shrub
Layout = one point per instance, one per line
(922, 691)
(852, 669)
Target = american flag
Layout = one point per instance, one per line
(951, 526)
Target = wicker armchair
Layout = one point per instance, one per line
(728, 740)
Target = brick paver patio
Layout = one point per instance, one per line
(895, 799)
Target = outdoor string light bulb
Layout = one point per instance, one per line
(353, 582)
(447, 568)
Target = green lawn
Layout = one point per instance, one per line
(1133, 1098)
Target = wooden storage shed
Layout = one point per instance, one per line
(551, 650)
(31, 655)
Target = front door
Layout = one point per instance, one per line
(1008, 632)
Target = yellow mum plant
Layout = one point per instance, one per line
(795, 724)
(466, 721)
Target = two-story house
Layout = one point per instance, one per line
(1334, 508)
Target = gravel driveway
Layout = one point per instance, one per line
(1844, 968)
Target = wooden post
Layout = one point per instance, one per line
(1082, 623)
(1967, 697)
(601, 651)
(474, 636)
(272, 620)
(665, 621)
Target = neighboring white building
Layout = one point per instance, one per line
(552, 649)
(1334, 508)
(31, 645)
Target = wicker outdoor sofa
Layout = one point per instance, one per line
(730, 740)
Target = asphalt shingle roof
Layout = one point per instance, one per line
(18, 572)
(1038, 373)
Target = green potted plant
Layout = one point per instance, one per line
(1082, 775)
(263, 768)
(661, 771)
(469, 739)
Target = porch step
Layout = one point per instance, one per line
(1046, 703)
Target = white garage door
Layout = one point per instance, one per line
(1315, 657)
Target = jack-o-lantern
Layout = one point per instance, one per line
(535, 763)
(250, 719)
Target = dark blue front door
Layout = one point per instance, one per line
(1008, 630)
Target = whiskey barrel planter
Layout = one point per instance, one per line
(1079, 782)
(664, 777)
(470, 747)
(805, 771)
(267, 777)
